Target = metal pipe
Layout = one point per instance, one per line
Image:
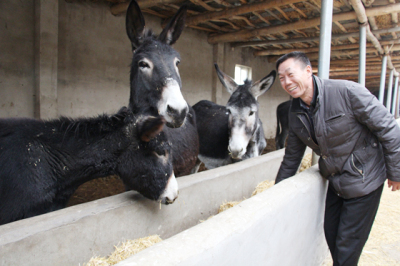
(363, 54)
(396, 113)
(389, 90)
(324, 59)
(325, 39)
(396, 88)
(383, 79)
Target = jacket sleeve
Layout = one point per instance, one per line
(370, 112)
(293, 155)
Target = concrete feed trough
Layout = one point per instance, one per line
(75, 234)
(283, 226)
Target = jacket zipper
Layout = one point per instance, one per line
(354, 165)
(309, 134)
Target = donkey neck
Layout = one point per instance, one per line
(85, 149)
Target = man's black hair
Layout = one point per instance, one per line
(297, 56)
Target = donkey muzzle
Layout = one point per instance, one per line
(177, 116)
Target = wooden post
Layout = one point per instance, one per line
(218, 57)
(46, 58)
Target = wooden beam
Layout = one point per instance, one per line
(302, 24)
(362, 18)
(305, 50)
(371, 60)
(298, 10)
(204, 5)
(262, 18)
(194, 20)
(395, 18)
(122, 7)
(353, 72)
(315, 56)
(349, 52)
(372, 23)
(350, 68)
(313, 39)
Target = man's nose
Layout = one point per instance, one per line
(285, 81)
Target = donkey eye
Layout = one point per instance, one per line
(177, 62)
(251, 113)
(143, 64)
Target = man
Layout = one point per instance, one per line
(358, 142)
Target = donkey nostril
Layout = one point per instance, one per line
(169, 109)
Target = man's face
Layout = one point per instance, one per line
(294, 77)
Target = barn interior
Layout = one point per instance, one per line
(71, 58)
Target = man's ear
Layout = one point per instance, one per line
(309, 69)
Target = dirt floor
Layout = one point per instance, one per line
(383, 245)
(108, 186)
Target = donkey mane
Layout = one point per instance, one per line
(92, 126)
(247, 82)
(148, 36)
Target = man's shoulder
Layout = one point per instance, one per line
(340, 82)
(342, 85)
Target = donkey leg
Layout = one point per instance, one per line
(196, 167)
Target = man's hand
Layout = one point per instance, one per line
(395, 185)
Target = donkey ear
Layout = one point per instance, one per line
(150, 127)
(173, 30)
(263, 85)
(228, 82)
(134, 24)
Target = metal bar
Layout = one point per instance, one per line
(324, 47)
(383, 79)
(396, 114)
(363, 54)
(389, 90)
(396, 88)
(325, 39)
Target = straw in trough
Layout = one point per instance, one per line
(263, 186)
(125, 250)
(306, 162)
(226, 205)
(97, 261)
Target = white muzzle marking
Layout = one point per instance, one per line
(172, 97)
(238, 142)
(171, 191)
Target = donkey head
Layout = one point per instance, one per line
(242, 108)
(147, 164)
(155, 81)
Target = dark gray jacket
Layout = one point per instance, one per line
(358, 139)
